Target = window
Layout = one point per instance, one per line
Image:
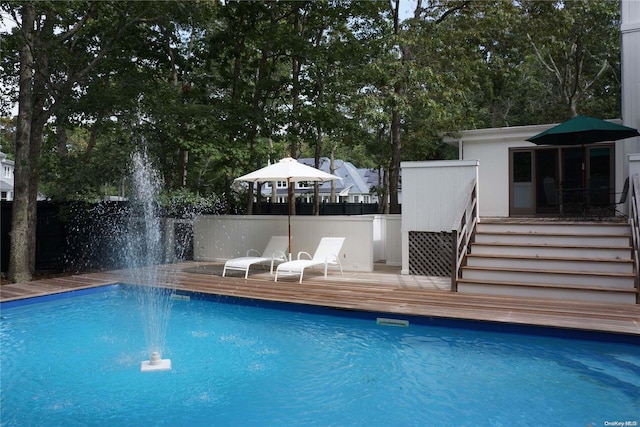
(366, 198)
(3, 196)
(356, 198)
(279, 184)
(7, 171)
(304, 184)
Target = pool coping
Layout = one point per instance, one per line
(378, 292)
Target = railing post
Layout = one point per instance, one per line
(454, 261)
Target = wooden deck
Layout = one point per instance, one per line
(384, 290)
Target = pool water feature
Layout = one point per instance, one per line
(75, 361)
(143, 254)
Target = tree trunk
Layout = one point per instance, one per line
(394, 165)
(296, 65)
(316, 185)
(184, 163)
(20, 269)
(396, 145)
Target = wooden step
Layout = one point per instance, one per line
(558, 250)
(541, 290)
(544, 262)
(542, 238)
(550, 277)
(558, 227)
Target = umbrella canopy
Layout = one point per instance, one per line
(583, 130)
(287, 169)
(290, 170)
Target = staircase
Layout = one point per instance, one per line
(588, 261)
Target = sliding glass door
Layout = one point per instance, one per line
(521, 191)
(540, 176)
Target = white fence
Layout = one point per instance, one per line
(368, 238)
(434, 194)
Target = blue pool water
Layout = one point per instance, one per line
(76, 362)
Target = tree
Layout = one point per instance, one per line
(217, 89)
(60, 45)
(577, 44)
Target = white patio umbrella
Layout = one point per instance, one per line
(290, 170)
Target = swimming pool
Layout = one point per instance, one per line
(76, 361)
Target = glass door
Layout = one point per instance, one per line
(560, 180)
(600, 173)
(521, 194)
(547, 181)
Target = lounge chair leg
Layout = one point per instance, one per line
(246, 274)
(301, 273)
(224, 270)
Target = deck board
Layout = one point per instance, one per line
(384, 290)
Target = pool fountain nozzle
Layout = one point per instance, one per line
(155, 363)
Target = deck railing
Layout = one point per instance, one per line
(634, 220)
(462, 231)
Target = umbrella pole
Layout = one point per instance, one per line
(289, 213)
(289, 237)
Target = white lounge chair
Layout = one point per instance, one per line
(326, 254)
(275, 251)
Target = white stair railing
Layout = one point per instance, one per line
(634, 221)
(462, 231)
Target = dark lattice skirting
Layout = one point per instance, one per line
(430, 253)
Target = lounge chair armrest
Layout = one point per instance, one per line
(304, 253)
(332, 258)
(253, 250)
(279, 255)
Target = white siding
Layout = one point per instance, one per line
(433, 193)
(387, 239)
(221, 237)
(491, 148)
(630, 27)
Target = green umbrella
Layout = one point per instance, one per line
(583, 130)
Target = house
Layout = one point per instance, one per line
(445, 227)
(514, 173)
(459, 223)
(355, 186)
(6, 177)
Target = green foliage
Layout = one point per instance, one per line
(7, 135)
(185, 204)
(216, 89)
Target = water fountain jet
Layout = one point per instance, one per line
(144, 254)
(155, 363)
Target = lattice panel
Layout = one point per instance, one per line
(430, 253)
